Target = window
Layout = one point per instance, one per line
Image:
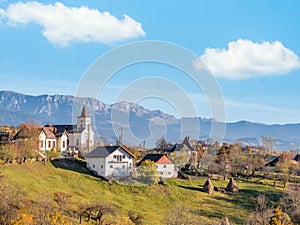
(111, 166)
(93, 165)
(169, 172)
(77, 142)
(53, 144)
(123, 156)
(161, 172)
(63, 144)
(49, 144)
(119, 158)
(165, 166)
(115, 156)
(101, 166)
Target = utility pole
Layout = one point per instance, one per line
(121, 138)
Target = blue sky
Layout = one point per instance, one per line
(251, 47)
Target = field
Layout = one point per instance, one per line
(153, 202)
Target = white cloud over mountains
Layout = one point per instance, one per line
(64, 25)
(244, 59)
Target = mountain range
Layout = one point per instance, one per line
(137, 122)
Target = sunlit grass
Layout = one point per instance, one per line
(153, 202)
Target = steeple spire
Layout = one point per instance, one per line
(83, 113)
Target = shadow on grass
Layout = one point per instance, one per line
(75, 165)
(190, 188)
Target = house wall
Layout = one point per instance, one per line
(166, 170)
(97, 164)
(46, 144)
(118, 167)
(73, 139)
(62, 142)
(113, 165)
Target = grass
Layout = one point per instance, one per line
(153, 202)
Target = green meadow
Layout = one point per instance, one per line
(152, 202)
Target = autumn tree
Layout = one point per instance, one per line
(291, 202)
(162, 144)
(236, 159)
(261, 213)
(96, 213)
(148, 173)
(180, 158)
(280, 218)
(11, 201)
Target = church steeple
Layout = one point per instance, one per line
(84, 113)
(83, 120)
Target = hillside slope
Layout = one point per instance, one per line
(153, 202)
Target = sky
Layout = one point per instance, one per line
(251, 48)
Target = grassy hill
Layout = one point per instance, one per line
(153, 202)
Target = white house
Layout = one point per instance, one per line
(110, 161)
(164, 165)
(50, 138)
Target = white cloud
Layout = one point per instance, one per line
(2, 13)
(244, 59)
(63, 25)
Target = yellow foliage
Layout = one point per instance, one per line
(25, 219)
(59, 219)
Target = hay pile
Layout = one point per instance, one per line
(232, 186)
(225, 221)
(208, 187)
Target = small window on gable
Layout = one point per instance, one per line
(101, 166)
(111, 166)
(93, 165)
(165, 166)
(123, 156)
(115, 156)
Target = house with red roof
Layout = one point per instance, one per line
(50, 138)
(164, 165)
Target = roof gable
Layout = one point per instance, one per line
(104, 151)
(156, 158)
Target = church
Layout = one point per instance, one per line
(79, 137)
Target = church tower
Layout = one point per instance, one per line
(84, 120)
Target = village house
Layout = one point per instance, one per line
(53, 139)
(185, 148)
(164, 165)
(110, 161)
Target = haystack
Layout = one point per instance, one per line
(232, 186)
(225, 221)
(208, 186)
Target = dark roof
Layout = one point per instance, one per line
(151, 157)
(187, 144)
(273, 162)
(68, 128)
(297, 158)
(104, 151)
